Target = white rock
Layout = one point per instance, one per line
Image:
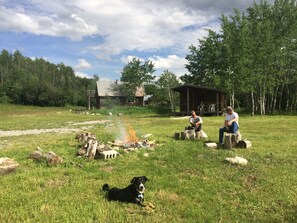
(7, 165)
(237, 160)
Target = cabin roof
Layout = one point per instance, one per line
(185, 86)
(105, 88)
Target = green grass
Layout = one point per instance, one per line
(187, 182)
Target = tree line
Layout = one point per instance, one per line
(253, 58)
(39, 82)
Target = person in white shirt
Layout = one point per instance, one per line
(195, 121)
(231, 123)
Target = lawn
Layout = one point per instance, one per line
(187, 181)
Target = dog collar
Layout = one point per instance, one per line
(140, 197)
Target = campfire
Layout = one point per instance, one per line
(132, 141)
(92, 148)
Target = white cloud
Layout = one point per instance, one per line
(18, 19)
(121, 27)
(83, 64)
(122, 24)
(127, 59)
(81, 74)
(170, 62)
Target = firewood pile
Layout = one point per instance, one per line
(92, 148)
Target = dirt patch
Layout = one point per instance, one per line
(82, 126)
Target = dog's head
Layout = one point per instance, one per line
(138, 183)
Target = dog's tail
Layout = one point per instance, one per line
(105, 187)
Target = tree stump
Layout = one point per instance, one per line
(182, 135)
(176, 135)
(230, 140)
(190, 134)
(201, 135)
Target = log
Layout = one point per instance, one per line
(245, 144)
(119, 144)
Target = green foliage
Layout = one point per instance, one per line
(161, 90)
(253, 59)
(38, 82)
(135, 74)
(187, 181)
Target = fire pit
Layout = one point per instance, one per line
(132, 141)
(129, 142)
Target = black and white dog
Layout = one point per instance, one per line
(134, 193)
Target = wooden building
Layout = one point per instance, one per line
(105, 92)
(203, 100)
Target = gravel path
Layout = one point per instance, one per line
(82, 126)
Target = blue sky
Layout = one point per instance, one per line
(101, 36)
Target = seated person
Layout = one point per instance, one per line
(195, 121)
(231, 124)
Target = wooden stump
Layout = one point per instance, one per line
(182, 135)
(231, 139)
(201, 135)
(190, 134)
(176, 135)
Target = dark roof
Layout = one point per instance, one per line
(182, 87)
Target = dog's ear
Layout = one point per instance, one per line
(133, 180)
(145, 178)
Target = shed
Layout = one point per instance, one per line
(203, 100)
(105, 91)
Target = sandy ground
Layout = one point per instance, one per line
(73, 127)
(182, 117)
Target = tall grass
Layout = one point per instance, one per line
(187, 181)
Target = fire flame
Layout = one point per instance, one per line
(131, 137)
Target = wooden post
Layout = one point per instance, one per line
(188, 100)
(217, 104)
(89, 100)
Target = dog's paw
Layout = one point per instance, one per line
(151, 205)
(148, 205)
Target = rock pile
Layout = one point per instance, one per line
(50, 157)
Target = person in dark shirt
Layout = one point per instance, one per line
(195, 121)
